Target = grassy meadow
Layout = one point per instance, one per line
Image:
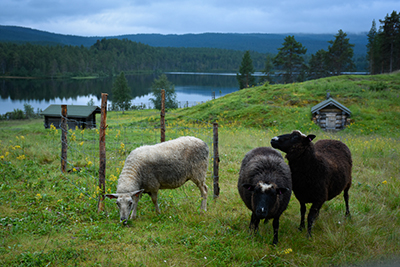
(48, 218)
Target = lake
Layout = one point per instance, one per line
(191, 88)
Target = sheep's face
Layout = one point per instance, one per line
(264, 197)
(287, 142)
(127, 203)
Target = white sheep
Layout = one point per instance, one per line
(166, 165)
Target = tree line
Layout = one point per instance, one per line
(383, 48)
(383, 56)
(289, 64)
(108, 57)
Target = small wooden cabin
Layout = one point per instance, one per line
(330, 115)
(78, 116)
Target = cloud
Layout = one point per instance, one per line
(105, 18)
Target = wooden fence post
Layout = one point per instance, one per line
(64, 141)
(102, 146)
(162, 126)
(216, 160)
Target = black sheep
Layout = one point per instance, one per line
(320, 171)
(265, 186)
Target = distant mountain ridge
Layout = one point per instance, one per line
(259, 42)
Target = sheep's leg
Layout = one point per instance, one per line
(303, 215)
(312, 216)
(133, 213)
(254, 222)
(346, 200)
(275, 225)
(153, 196)
(203, 191)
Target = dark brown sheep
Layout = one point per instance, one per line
(265, 186)
(320, 171)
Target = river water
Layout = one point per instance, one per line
(191, 88)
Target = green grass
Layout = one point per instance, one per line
(51, 219)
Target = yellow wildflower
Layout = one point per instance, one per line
(384, 182)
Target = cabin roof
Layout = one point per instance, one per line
(73, 111)
(329, 102)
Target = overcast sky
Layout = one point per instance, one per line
(117, 17)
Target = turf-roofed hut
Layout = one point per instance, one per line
(77, 116)
(330, 115)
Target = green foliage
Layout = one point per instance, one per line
(245, 76)
(170, 95)
(340, 54)
(290, 58)
(318, 65)
(121, 97)
(268, 70)
(109, 57)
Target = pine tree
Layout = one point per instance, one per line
(390, 46)
(318, 65)
(268, 69)
(290, 59)
(121, 94)
(372, 50)
(340, 54)
(245, 76)
(170, 95)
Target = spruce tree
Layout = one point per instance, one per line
(290, 58)
(340, 54)
(318, 65)
(170, 94)
(121, 94)
(245, 76)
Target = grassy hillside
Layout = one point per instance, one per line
(373, 100)
(50, 219)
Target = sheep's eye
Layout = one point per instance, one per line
(118, 204)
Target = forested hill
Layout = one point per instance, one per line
(263, 43)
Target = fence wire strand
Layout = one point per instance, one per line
(83, 153)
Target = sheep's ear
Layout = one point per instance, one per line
(137, 193)
(311, 137)
(249, 187)
(110, 196)
(281, 190)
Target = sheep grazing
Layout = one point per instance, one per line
(320, 171)
(165, 165)
(265, 186)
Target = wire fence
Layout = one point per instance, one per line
(82, 160)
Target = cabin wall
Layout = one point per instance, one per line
(331, 119)
(81, 123)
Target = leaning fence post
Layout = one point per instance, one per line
(216, 160)
(162, 126)
(102, 146)
(64, 142)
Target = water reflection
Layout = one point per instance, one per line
(14, 93)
